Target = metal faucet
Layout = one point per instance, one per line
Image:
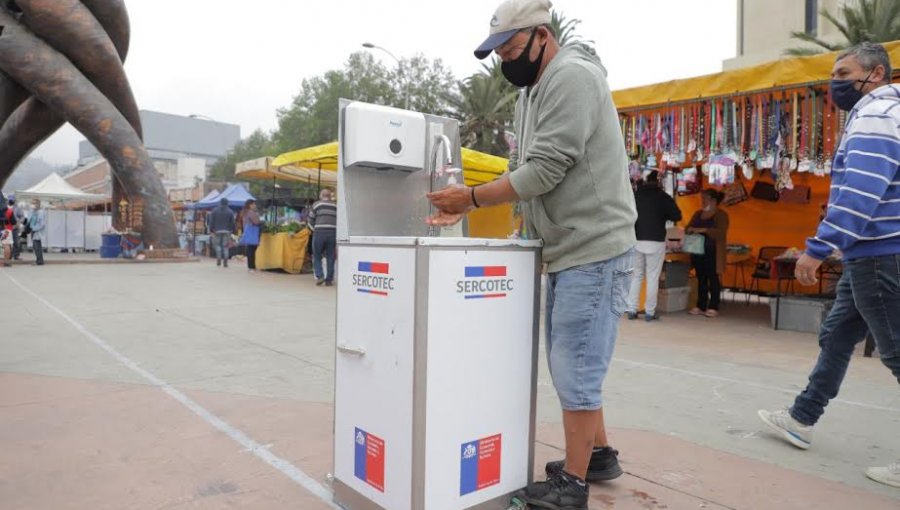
(437, 171)
(441, 141)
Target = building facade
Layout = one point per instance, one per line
(764, 28)
(182, 150)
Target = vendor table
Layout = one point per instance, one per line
(283, 250)
(831, 269)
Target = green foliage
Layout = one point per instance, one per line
(565, 29)
(484, 106)
(256, 145)
(483, 103)
(859, 21)
(312, 118)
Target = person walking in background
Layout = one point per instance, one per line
(712, 223)
(37, 223)
(221, 225)
(19, 215)
(862, 221)
(323, 222)
(252, 230)
(655, 207)
(8, 234)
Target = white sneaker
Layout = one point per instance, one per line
(889, 475)
(786, 426)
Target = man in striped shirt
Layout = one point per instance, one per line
(323, 222)
(863, 223)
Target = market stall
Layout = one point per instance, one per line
(763, 135)
(283, 250)
(68, 229)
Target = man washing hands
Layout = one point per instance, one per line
(571, 175)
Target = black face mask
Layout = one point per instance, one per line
(522, 72)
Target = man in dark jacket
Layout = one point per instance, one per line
(655, 207)
(221, 225)
(323, 221)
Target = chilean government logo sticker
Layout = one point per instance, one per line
(480, 464)
(373, 278)
(368, 464)
(485, 282)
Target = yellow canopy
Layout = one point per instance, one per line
(264, 169)
(478, 167)
(324, 156)
(787, 72)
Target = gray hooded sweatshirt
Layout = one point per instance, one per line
(570, 168)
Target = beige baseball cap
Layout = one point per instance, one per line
(509, 18)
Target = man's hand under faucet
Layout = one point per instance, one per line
(453, 202)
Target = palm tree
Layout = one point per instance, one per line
(485, 106)
(863, 20)
(565, 28)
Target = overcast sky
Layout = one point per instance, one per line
(238, 61)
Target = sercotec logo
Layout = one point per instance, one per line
(485, 282)
(373, 278)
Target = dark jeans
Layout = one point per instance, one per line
(17, 244)
(324, 245)
(709, 287)
(251, 255)
(868, 299)
(38, 251)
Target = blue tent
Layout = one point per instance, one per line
(236, 194)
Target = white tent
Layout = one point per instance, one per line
(54, 188)
(68, 229)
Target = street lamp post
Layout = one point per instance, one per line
(371, 46)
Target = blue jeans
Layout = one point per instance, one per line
(324, 244)
(868, 299)
(220, 243)
(584, 305)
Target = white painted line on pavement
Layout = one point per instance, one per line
(701, 375)
(221, 425)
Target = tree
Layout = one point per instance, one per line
(863, 20)
(427, 83)
(565, 28)
(484, 107)
(257, 145)
(312, 118)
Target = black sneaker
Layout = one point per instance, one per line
(320, 282)
(604, 465)
(632, 316)
(560, 492)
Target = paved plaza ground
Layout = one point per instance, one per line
(185, 386)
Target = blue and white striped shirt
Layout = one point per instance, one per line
(863, 217)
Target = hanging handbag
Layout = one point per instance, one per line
(695, 244)
(735, 192)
